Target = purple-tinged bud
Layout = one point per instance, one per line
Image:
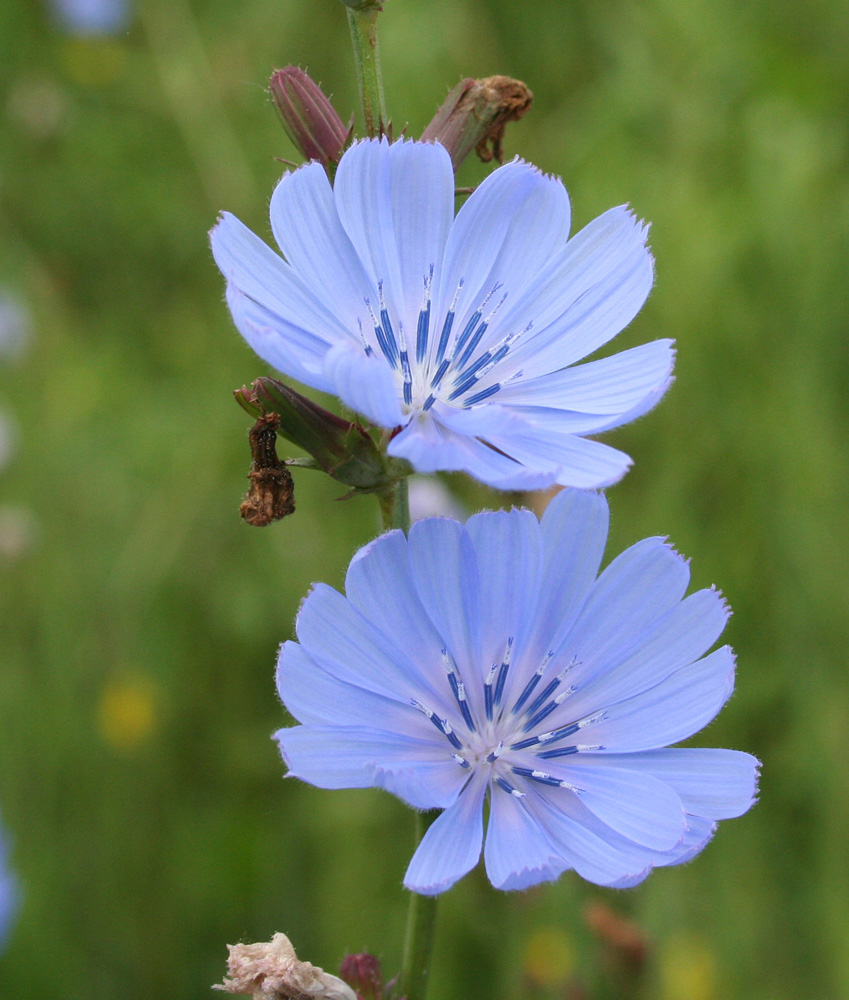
(309, 118)
(363, 972)
(475, 114)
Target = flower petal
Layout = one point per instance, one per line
(517, 852)
(638, 806)
(590, 294)
(672, 641)
(699, 833)
(308, 231)
(445, 572)
(573, 533)
(380, 585)
(261, 274)
(595, 851)
(673, 710)
(315, 697)
(396, 205)
(507, 550)
(290, 349)
(611, 386)
(636, 589)
(574, 461)
(365, 383)
(418, 771)
(510, 226)
(430, 446)
(452, 845)
(716, 784)
(339, 639)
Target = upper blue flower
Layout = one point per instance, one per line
(93, 17)
(459, 332)
(488, 659)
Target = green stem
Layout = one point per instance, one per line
(395, 507)
(363, 24)
(421, 912)
(418, 939)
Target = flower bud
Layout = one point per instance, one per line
(363, 972)
(342, 449)
(475, 114)
(309, 118)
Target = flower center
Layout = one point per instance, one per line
(507, 738)
(448, 368)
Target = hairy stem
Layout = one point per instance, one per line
(418, 938)
(395, 507)
(363, 24)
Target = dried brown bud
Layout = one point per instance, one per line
(308, 116)
(344, 450)
(475, 115)
(624, 940)
(363, 972)
(272, 493)
(271, 970)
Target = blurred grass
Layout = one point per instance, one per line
(145, 608)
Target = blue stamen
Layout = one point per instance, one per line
(470, 329)
(523, 697)
(386, 323)
(458, 688)
(559, 752)
(365, 343)
(431, 399)
(509, 788)
(440, 372)
(423, 329)
(547, 690)
(559, 734)
(499, 684)
(473, 343)
(441, 724)
(443, 337)
(540, 776)
(476, 367)
(422, 333)
(502, 676)
(531, 741)
(482, 395)
(487, 690)
(542, 714)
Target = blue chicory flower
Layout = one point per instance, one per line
(459, 333)
(489, 659)
(93, 17)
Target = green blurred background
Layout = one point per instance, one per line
(145, 799)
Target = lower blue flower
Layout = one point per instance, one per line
(8, 895)
(491, 659)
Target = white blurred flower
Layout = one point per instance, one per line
(430, 497)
